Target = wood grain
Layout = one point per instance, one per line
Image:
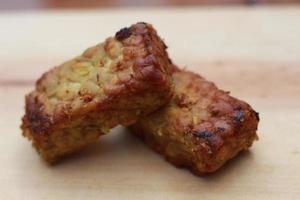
(254, 53)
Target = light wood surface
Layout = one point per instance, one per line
(252, 52)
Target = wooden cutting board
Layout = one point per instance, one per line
(252, 52)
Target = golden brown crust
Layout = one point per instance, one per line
(111, 83)
(201, 128)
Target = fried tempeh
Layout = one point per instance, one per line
(114, 82)
(201, 128)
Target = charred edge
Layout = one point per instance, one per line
(257, 115)
(164, 45)
(215, 113)
(38, 120)
(220, 129)
(239, 116)
(123, 34)
(149, 37)
(203, 134)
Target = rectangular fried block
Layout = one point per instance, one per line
(201, 128)
(114, 82)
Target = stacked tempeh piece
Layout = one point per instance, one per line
(129, 80)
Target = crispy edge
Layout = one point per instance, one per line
(152, 73)
(149, 79)
(209, 147)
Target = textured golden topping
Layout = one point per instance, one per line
(133, 57)
(128, 73)
(82, 78)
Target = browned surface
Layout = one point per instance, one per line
(201, 128)
(60, 119)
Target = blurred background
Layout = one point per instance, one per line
(65, 4)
